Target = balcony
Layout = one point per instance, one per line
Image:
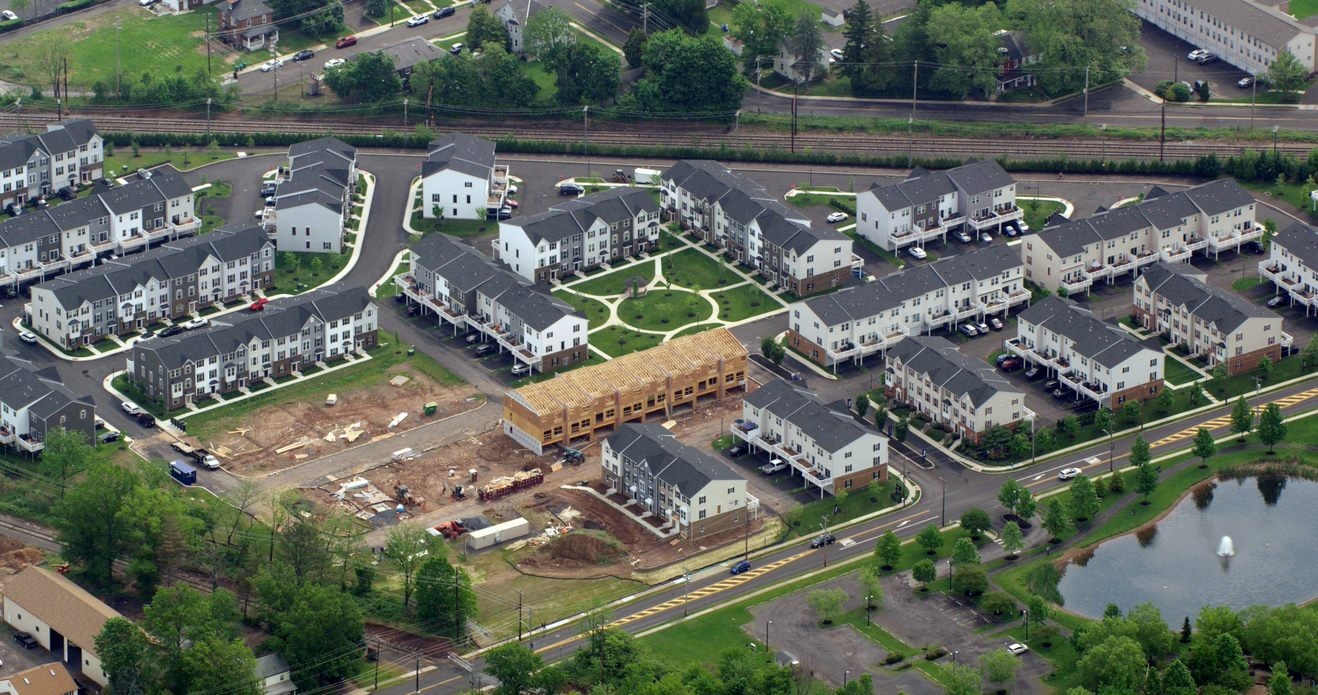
(1078, 285)
(7, 436)
(26, 443)
(750, 433)
(997, 217)
(1236, 238)
(1089, 389)
(1003, 302)
(1026, 352)
(865, 348)
(1177, 254)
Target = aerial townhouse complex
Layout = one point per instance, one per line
(593, 401)
(1092, 358)
(584, 233)
(964, 395)
(695, 494)
(143, 212)
(1293, 265)
(32, 403)
(1217, 325)
(473, 293)
(460, 179)
(68, 154)
(737, 215)
(1212, 217)
(241, 349)
(314, 201)
(976, 197)
(858, 322)
(172, 281)
(1248, 34)
(827, 447)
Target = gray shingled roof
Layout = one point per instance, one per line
(684, 467)
(460, 152)
(574, 217)
(945, 366)
(1100, 342)
(239, 10)
(412, 52)
(1179, 285)
(827, 428)
(1302, 241)
(312, 197)
(139, 193)
(1269, 26)
(323, 144)
(21, 385)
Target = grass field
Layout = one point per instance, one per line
(123, 162)
(1304, 8)
(698, 328)
(664, 310)
(743, 302)
(617, 341)
(615, 282)
(1037, 212)
(308, 270)
(1179, 374)
(595, 311)
(694, 270)
(1296, 194)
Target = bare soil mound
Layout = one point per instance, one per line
(584, 547)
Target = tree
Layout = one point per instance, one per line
(999, 667)
(901, 429)
(961, 680)
(1309, 356)
(408, 547)
(1068, 426)
(966, 51)
(177, 616)
(1219, 661)
(314, 17)
(924, 572)
(66, 455)
(1103, 419)
(999, 605)
(634, 49)
(1139, 451)
(970, 580)
(826, 603)
(1279, 683)
(368, 79)
(484, 28)
(1165, 401)
(1083, 499)
(1055, 520)
(761, 27)
(1196, 394)
(1265, 369)
(1176, 679)
(549, 36)
(216, 665)
(867, 54)
(688, 74)
(1020, 446)
(1075, 39)
(964, 552)
(871, 586)
(1116, 665)
(1017, 499)
(1131, 412)
(515, 666)
(320, 636)
(1146, 480)
(931, 539)
(806, 43)
(1272, 428)
(1186, 633)
(1151, 631)
(502, 75)
(1287, 73)
(1012, 540)
(377, 8)
(1044, 439)
(888, 551)
(126, 658)
(862, 404)
(1242, 418)
(1037, 610)
(1204, 446)
(90, 519)
(976, 521)
(444, 597)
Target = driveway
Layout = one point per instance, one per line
(1167, 61)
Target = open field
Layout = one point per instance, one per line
(617, 341)
(664, 309)
(616, 282)
(694, 270)
(743, 302)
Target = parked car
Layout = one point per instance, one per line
(455, 49)
(168, 331)
(334, 63)
(1033, 373)
(146, 420)
(1251, 81)
(1068, 473)
(834, 217)
(209, 461)
(28, 337)
(821, 541)
(997, 361)
(198, 322)
(345, 42)
(1254, 247)
(986, 237)
(304, 54)
(736, 451)
(520, 369)
(569, 188)
(1060, 392)
(773, 467)
(981, 326)
(1051, 384)
(962, 237)
(259, 304)
(271, 64)
(995, 323)
(26, 641)
(1207, 58)
(130, 408)
(14, 209)
(484, 349)
(917, 252)
(502, 213)
(510, 203)
(418, 20)
(1272, 303)
(1017, 648)
(270, 187)
(8, 16)
(968, 329)
(1010, 231)
(445, 12)
(743, 566)
(146, 3)
(1197, 53)
(108, 437)
(1010, 364)
(836, 53)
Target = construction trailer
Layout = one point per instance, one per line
(499, 533)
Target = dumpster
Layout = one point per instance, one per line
(430, 408)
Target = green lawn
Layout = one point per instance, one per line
(547, 92)
(809, 200)
(615, 282)
(805, 519)
(389, 288)
(1296, 194)
(698, 328)
(1304, 8)
(617, 341)
(1179, 374)
(1285, 370)
(143, 42)
(123, 162)
(874, 249)
(1246, 284)
(458, 228)
(667, 239)
(596, 312)
(1037, 212)
(213, 423)
(743, 302)
(308, 270)
(694, 270)
(664, 310)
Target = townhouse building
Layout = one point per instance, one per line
(963, 395)
(1209, 218)
(143, 212)
(314, 202)
(245, 348)
(580, 405)
(69, 154)
(583, 233)
(1176, 301)
(737, 215)
(693, 493)
(1245, 33)
(1092, 358)
(1292, 265)
(461, 179)
(172, 281)
(246, 24)
(926, 205)
(467, 290)
(869, 319)
(61, 616)
(826, 446)
(32, 403)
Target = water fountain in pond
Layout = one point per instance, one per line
(1226, 548)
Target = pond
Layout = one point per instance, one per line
(1174, 563)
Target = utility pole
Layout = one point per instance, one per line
(1086, 116)
(796, 85)
(457, 611)
(942, 486)
(519, 615)
(118, 80)
(276, 83)
(208, 44)
(1253, 93)
(915, 84)
(1162, 132)
(686, 589)
(645, 17)
(404, 112)
(208, 119)
(377, 666)
(585, 111)
(417, 673)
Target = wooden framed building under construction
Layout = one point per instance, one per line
(579, 405)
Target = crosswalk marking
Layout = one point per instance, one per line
(1225, 420)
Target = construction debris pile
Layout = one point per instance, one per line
(368, 503)
(563, 523)
(506, 485)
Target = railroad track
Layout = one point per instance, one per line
(706, 136)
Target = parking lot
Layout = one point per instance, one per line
(17, 659)
(1167, 61)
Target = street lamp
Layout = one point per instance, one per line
(1110, 446)
(954, 653)
(869, 606)
(942, 487)
(845, 676)
(766, 639)
(1025, 613)
(823, 526)
(1274, 142)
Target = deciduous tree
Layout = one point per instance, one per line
(961, 680)
(1204, 446)
(216, 665)
(689, 75)
(930, 538)
(970, 580)
(407, 548)
(1242, 418)
(634, 49)
(1176, 679)
(368, 79)
(1272, 428)
(126, 658)
(761, 27)
(1082, 499)
(924, 572)
(999, 666)
(320, 635)
(888, 550)
(1012, 539)
(1287, 73)
(444, 597)
(964, 552)
(66, 455)
(1279, 683)
(826, 603)
(1146, 480)
(976, 521)
(805, 43)
(549, 36)
(1055, 520)
(1116, 665)
(515, 667)
(91, 519)
(871, 586)
(966, 50)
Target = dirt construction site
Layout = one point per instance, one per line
(297, 430)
